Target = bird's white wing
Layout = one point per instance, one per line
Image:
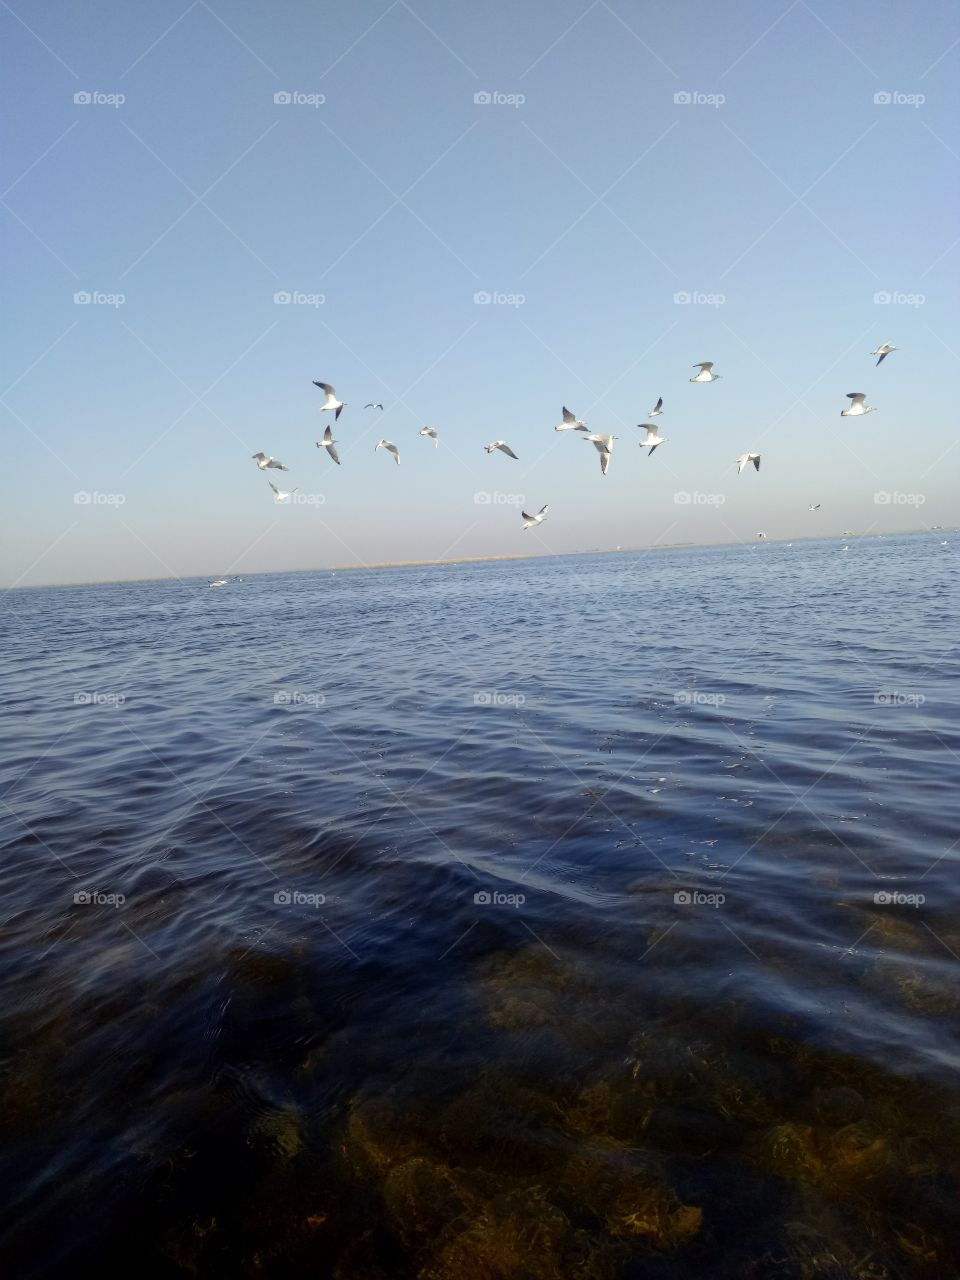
(505, 448)
(857, 397)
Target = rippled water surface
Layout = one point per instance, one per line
(591, 917)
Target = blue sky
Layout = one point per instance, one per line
(781, 197)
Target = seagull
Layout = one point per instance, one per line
(390, 448)
(328, 443)
(657, 409)
(705, 374)
(263, 462)
(856, 407)
(366, 406)
(429, 431)
(570, 422)
(217, 582)
(746, 458)
(651, 438)
(503, 447)
(761, 535)
(814, 506)
(530, 521)
(331, 401)
(603, 446)
(281, 497)
(882, 351)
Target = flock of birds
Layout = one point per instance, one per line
(603, 443)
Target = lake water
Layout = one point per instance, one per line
(587, 917)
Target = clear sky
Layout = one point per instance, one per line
(781, 196)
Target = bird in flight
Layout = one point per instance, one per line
(882, 351)
(429, 431)
(331, 402)
(570, 422)
(390, 448)
(657, 409)
(329, 444)
(857, 407)
(814, 506)
(530, 521)
(651, 439)
(503, 447)
(263, 462)
(281, 496)
(706, 373)
(367, 406)
(603, 446)
(745, 459)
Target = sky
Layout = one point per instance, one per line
(474, 215)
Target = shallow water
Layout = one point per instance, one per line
(679, 1036)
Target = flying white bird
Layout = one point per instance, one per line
(502, 446)
(263, 462)
(651, 438)
(882, 351)
(570, 422)
(530, 521)
(603, 446)
(390, 448)
(761, 535)
(814, 506)
(331, 402)
(746, 458)
(857, 407)
(657, 409)
(368, 406)
(706, 373)
(281, 497)
(217, 582)
(328, 443)
(429, 431)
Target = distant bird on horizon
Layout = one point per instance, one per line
(857, 407)
(390, 448)
(603, 446)
(263, 462)
(281, 496)
(328, 443)
(369, 406)
(331, 402)
(530, 521)
(503, 447)
(706, 373)
(429, 431)
(570, 422)
(657, 409)
(651, 438)
(882, 351)
(746, 458)
(761, 535)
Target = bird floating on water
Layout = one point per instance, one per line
(651, 438)
(746, 458)
(882, 351)
(604, 446)
(390, 448)
(281, 496)
(657, 409)
(503, 447)
(530, 521)
(263, 462)
(570, 422)
(329, 443)
(429, 431)
(218, 582)
(706, 373)
(331, 402)
(857, 407)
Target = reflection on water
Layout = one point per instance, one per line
(609, 980)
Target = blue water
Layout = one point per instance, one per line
(257, 1022)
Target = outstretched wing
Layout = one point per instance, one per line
(505, 448)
